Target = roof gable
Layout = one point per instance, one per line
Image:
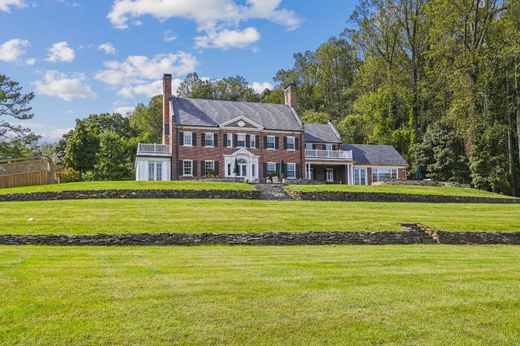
(241, 122)
(321, 133)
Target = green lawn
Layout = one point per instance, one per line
(239, 216)
(402, 189)
(356, 295)
(130, 185)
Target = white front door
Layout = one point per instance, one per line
(242, 170)
(155, 170)
(329, 175)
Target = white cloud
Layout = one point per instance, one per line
(11, 50)
(30, 61)
(63, 86)
(168, 36)
(61, 52)
(260, 87)
(108, 48)
(147, 89)
(49, 133)
(124, 110)
(226, 39)
(138, 69)
(5, 4)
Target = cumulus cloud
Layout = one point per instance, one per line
(61, 51)
(108, 48)
(226, 39)
(147, 89)
(260, 87)
(11, 50)
(124, 110)
(63, 86)
(49, 133)
(218, 19)
(168, 36)
(30, 61)
(6, 4)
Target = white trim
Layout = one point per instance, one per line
(335, 130)
(267, 141)
(184, 139)
(243, 118)
(212, 140)
(287, 172)
(294, 143)
(245, 140)
(187, 175)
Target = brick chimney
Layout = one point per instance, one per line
(290, 95)
(167, 93)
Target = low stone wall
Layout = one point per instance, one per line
(392, 197)
(105, 194)
(274, 238)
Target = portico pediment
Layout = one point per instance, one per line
(241, 122)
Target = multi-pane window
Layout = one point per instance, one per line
(252, 141)
(291, 143)
(271, 142)
(209, 167)
(291, 170)
(241, 140)
(158, 173)
(187, 168)
(187, 140)
(309, 146)
(382, 174)
(271, 168)
(154, 170)
(229, 140)
(209, 139)
(151, 170)
(360, 177)
(329, 146)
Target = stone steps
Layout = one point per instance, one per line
(272, 192)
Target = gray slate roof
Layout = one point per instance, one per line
(370, 154)
(198, 112)
(320, 133)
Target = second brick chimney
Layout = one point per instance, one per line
(167, 93)
(290, 95)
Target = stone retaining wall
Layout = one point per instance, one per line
(104, 194)
(414, 234)
(393, 197)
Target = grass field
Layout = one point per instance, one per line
(402, 189)
(405, 295)
(240, 216)
(129, 185)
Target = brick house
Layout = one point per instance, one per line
(254, 141)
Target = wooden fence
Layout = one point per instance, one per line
(28, 172)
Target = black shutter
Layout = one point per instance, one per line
(248, 141)
(181, 165)
(276, 142)
(215, 140)
(202, 139)
(217, 169)
(181, 138)
(265, 170)
(202, 168)
(225, 140)
(194, 139)
(257, 141)
(277, 168)
(297, 143)
(235, 140)
(265, 141)
(194, 168)
(298, 166)
(285, 142)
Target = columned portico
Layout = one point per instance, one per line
(244, 162)
(333, 172)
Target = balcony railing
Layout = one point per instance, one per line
(328, 154)
(153, 149)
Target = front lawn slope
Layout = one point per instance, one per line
(400, 295)
(244, 216)
(398, 189)
(130, 185)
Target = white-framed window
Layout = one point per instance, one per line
(188, 139)
(271, 168)
(291, 170)
(209, 166)
(187, 167)
(241, 140)
(291, 143)
(329, 146)
(209, 140)
(360, 176)
(271, 142)
(252, 141)
(382, 174)
(229, 140)
(154, 170)
(151, 170)
(309, 146)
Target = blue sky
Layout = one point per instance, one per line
(82, 57)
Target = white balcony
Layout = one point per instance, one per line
(315, 154)
(144, 149)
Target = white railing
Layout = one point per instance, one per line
(157, 149)
(328, 154)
